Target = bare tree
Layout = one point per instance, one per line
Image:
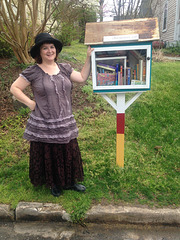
(21, 20)
(101, 2)
(126, 9)
(146, 8)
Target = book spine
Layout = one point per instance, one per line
(121, 75)
(128, 76)
(134, 74)
(144, 72)
(137, 71)
(117, 70)
(100, 70)
(141, 70)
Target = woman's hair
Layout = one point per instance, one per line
(38, 58)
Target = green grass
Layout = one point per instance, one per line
(75, 52)
(151, 171)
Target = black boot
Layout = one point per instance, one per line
(56, 191)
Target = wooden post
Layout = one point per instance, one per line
(120, 139)
(120, 106)
(120, 125)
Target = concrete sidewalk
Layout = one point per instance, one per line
(172, 58)
(28, 211)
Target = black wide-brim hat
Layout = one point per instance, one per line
(44, 38)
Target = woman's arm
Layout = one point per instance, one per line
(84, 74)
(17, 90)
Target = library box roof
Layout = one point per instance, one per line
(140, 30)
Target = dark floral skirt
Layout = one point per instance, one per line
(55, 164)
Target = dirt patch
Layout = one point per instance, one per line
(7, 76)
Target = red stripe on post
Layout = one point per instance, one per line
(120, 123)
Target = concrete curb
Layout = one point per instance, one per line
(172, 58)
(6, 213)
(27, 211)
(133, 215)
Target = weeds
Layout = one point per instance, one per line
(158, 56)
(173, 49)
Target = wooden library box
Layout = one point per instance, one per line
(122, 56)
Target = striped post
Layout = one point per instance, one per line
(120, 139)
(120, 106)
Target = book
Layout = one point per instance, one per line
(106, 79)
(137, 71)
(137, 82)
(128, 76)
(106, 67)
(144, 73)
(100, 70)
(121, 75)
(141, 70)
(117, 73)
(134, 73)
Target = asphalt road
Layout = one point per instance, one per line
(67, 231)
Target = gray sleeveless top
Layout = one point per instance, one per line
(52, 120)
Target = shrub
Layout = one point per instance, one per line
(5, 49)
(66, 35)
(173, 49)
(158, 44)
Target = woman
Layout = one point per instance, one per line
(55, 158)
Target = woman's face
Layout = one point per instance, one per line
(48, 52)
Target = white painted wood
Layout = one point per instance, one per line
(121, 105)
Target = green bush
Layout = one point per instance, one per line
(5, 49)
(173, 49)
(66, 35)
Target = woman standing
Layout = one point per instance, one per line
(55, 158)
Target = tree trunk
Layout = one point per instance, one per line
(19, 24)
(101, 2)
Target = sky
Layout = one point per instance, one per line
(108, 15)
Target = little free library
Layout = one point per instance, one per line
(121, 63)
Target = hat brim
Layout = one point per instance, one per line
(35, 49)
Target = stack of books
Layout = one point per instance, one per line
(117, 75)
(112, 75)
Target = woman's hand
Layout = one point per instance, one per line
(84, 74)
(89, 51)
(32, 105)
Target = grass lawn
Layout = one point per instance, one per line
(151, 173)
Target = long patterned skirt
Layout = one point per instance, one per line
(55, 164)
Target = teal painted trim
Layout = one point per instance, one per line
(120, 90)
(123, 44)
(150, 68)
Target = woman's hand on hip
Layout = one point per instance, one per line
(32, 105)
